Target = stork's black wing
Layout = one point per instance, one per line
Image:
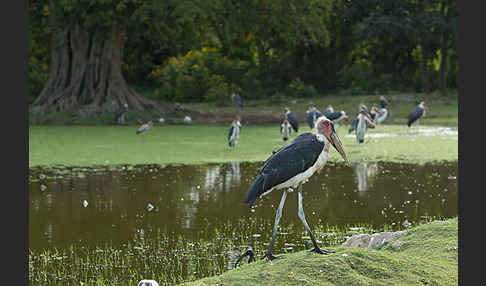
(353, 125)
(287, 162)
(230, 133)
(292, 120)
(334, 115)
(416, 114)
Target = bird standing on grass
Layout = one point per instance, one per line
(120, 113)
(234, 133)
(363, 123)
(291, 166)
(145, 127)
(237, 100)
(382, 115)
(312, 114)
(290, 117)
(285, 130)
(418, 113)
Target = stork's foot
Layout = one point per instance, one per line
(271, 257)
(321, 251)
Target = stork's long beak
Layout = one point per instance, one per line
(336, 142)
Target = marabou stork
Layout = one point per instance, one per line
(292, 119)
(328, 111)
(312, 114)
(364, 122)
(285, 130)
(145, 127)
(354, 124)
(234, 133)
(291, 166)
(336, 117)
(237, 100)
(383, 102)
(416, 114)
(120, 113)
(382, 115)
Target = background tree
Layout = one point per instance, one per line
(86, 52)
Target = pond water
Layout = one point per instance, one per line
(112, 207)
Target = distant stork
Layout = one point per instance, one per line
(336, 117)
(383, 102)
(354, 124)
(291, 166)
(145, 127)
(416, 114)
(234, 133)
(328, 111)
(312, 114)
(364, 122)
(120, 113)
(285, 130)
(292, 119)
(237, 100)
(382, 115)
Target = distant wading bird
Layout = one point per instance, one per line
(382, 115)
(145, 127)
(354, 124)
(234, 133)
(120, 113)
(416, 114)
(292, 119)
(291, 166)
(237, 100)
(364, 122)
(312, 114)
(285, 130)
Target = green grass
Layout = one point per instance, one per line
(428, 256)
(114, 145)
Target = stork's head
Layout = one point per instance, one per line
(325, 127)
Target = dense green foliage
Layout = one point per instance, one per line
(193, 51)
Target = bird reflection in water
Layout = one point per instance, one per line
(233, 174)
(365, 174)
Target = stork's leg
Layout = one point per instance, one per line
(269, 254)
(316, 248)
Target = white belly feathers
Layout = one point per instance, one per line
(304, 176)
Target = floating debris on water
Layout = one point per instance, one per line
(85, 203)
(43, 187)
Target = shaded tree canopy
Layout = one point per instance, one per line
(84, 52)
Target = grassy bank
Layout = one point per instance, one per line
(114, 145)
(428, 256)
(441, 110)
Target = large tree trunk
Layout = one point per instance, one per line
(85, 74)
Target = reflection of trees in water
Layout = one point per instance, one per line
(365, 174)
